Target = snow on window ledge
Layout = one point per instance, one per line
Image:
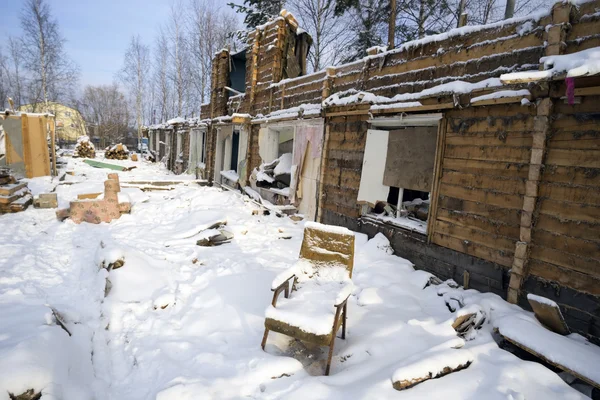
(411, 224)
(230, 175)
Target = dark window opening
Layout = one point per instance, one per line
(237, 74)
(235, 144)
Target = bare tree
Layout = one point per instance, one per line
(105, 109)
(52, 72)
(160, 79)
(329, 32)
(134, 76)
(179, 55)
(3, 80)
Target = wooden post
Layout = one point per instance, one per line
(462, 16)
(555, 36)
(392, 25)
(52, 124)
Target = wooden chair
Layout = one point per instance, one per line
(315, 306)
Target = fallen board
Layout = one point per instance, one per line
(98, 164)
(578, 358)
(548, 313)
(9, 189)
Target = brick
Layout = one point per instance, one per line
(537, 155)
(526, 219)
(531, 189)
(529, 203)
(539, 140)
(544, 107)
(534, 172)
(525, 234)
(518, 265)
(521, 250)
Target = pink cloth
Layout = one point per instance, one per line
(570, 90)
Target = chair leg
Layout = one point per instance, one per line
(330, 355)
(344, 321)
(264, 340)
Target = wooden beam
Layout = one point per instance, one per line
(425, 107)
(588, 91)
(501, 100)
(344, 113)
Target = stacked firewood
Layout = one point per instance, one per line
(117, 152)
(14, 195)
(84, 148)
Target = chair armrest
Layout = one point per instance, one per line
(344, 293)
(282, 278)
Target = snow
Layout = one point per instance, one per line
(424, 365)
(578, 356)
(409, 104)
(339, 230)
(501, 94)
(582, 63)
(542, 300)
(205, 342)
(176, 120)
(284, 166)
(230, 175)
(303, 110)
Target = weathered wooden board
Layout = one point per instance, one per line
(503, 258)
(498, 184)
(410, 158)
(472, 220)
(568, 278)
(475, 235)
(484, 167)
(548, 313)
(482, 196)
(574, 262)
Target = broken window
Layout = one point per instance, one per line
(276, 146)
(397, 173)
(232, 144)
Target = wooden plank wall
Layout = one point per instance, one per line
(343, 166)
(484, 168)
(566, 227)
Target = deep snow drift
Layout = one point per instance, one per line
(185, 322)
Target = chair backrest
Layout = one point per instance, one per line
(328, 244)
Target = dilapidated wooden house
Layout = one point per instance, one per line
(476, 151)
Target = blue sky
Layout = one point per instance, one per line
(97, 31)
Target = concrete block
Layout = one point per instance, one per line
(531, 188)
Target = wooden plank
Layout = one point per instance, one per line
(588, 91)
(584, 140)
(467, 220)
(549, 361)
(26, 145)
(9, 198)
(567, 244)
(574, 262)
(7, 190)
(572, 175)
(573, 194)
(474, 235)
(501, 100)
(511, 139)
(482, 196)
(473, 249)
(437, 173)
(425, 107)
(489, 153)
(575, 228)
(510, 217)
(575, 158)
(53, 144)
(566, 277)
(548, 313)
(493, 168)
(498, 184)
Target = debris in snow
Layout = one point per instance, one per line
(46, 200)
(548, 313)
(14, 195)
(582, 63)
(216, 237)
(577, 357)
(276, 174)
(468, 320)
(423, 367)
(230, 175)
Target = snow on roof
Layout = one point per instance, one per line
(501, 94)
(177, 120)
(582, 63)
(454, 87)
(303, 110)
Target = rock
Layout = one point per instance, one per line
(27, 395)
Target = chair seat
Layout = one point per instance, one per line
(309, 312)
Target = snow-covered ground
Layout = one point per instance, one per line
(185, 322)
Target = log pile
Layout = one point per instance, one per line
(84, 148)
(117, 152)
(14, 195)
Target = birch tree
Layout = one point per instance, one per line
(53, 74)
(134, 75)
